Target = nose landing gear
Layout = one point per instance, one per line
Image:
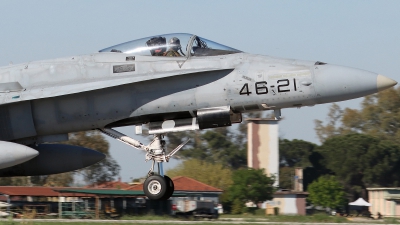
(156, 186)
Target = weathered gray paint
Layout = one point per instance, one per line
(90, 110)
(115, 89)
(16, 121)
(11, 86)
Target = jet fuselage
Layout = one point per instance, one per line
(116, 89)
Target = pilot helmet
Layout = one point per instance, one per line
(174, 43)
(157, 45)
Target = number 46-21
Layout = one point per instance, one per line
(261, 87)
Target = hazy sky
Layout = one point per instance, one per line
(361, 34)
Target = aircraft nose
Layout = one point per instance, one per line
(338, 83)
(383, 82)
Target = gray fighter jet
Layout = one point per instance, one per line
(169, 83)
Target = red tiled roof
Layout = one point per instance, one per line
(184, 184)
(37, 191)
(112, 184)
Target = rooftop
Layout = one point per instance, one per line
(383, 188)
(37, 191)
(103, 192)
(112, 184)
(185, 184)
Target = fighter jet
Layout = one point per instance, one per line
(164, 83)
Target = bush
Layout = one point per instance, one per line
(237, 207)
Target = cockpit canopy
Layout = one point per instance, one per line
(179, 45)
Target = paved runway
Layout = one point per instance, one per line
(231, 221)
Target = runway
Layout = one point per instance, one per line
(230, 221)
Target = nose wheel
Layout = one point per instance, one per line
(156, 186)
(170, 188)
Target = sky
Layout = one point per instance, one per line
(361, 34)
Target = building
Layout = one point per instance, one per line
(36, 194)
(385, 201)
(107, 199)
(189, 188)
(41, 201)
(286, 203)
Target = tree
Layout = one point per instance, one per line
(379, 116)
(14, 181)
(221, 145)
(370, 160)
(103, 171)
(100, 172)
(213, 146)
(360, 161)
(326, 192)
(59, 180)
(299, 153)
(286, 175)
(251, 185)
(331, 129)
(213, 174)
(295, 153)
(223, 150)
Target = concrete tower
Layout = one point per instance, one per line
(263, 146)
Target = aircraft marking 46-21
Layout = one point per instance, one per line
(261, 87)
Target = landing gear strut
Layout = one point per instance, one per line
(156, 186)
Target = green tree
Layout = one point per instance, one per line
(286, 175)
(15, 181)
(362, 161)
(103, 171)
(326, 192)
(379, 116)
(59, 180)
(299, 153)
(332, 128)
(213, 174)
(237, 207)
(250, 185)
(214, 146)
(225, 145)
(295, 153)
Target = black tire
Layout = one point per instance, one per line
(155, 187)
(170, 188)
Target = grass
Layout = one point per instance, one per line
(391, 221)
(246, 218)
(148, 217)
(316, 218)
(70, 223)
(86, 223)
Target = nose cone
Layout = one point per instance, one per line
(383, 82)
(338, 83)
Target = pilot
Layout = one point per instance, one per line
(174, 45)
(157, 46)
